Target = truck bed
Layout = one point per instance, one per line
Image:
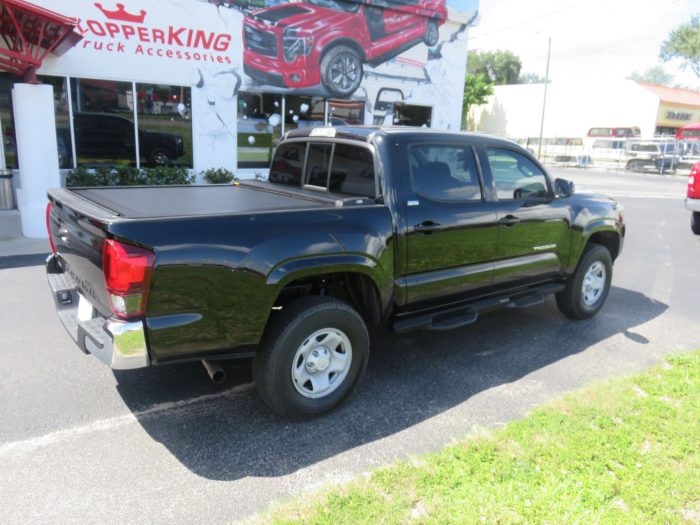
(138, 202)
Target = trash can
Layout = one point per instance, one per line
(7, 199)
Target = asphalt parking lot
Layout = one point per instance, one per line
(81, 443)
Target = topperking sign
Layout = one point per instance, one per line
(149, 40)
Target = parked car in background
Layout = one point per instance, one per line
(658, 155)
(692, 201)
(614, 132)
(105, 136)
(326, 42)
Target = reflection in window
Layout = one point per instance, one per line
(62, 119)
(353, 171)
(259, 128)
(303, 112)
(6, 120)
(409, 115)
(317, 165)
(444, 173)
(103, 122)
(287, 165)
(515, 176)
(165, 125)
(346, 112)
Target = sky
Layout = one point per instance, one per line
(591, 39)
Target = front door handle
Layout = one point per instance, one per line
(509, 220)
(427, 227)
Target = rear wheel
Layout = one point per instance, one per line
(158, 157)
(695, 222)
(312, 355)
(587, 289)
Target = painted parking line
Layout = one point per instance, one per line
(24, 446)
(633, 194)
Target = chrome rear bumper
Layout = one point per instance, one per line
(692, 204)
(121, 345)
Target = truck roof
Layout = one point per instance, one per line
(366, 133)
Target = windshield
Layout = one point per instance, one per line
(338, 5)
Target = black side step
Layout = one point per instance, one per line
(456, 317)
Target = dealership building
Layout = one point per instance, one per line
(211, 84)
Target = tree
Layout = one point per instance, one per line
(684, 43)
(477, 88)
(653, 75)
(500, 67)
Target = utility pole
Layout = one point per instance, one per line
(544, 101)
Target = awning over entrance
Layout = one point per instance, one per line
(29, 33)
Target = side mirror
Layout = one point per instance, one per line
(564, 188)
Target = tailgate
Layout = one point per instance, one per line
(77, 229)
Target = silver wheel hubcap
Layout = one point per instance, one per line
(321, 363)
(432, 33)
(593, 283)
(345, 71)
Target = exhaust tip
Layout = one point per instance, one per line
(216, 373)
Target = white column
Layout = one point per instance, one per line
(37, 154)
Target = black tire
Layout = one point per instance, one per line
(341, 71)
(571, 301)
(695, 222)
(432, 33)
(158, 157)
(287, 333)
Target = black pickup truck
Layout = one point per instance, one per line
(356, 226)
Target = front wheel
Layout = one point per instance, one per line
(695, 222)
(341, 71)
(587, 289)
(432, 34)
(313, 354)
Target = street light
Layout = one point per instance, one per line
(544, 101)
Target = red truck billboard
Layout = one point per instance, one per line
(327, 42)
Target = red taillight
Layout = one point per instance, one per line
(694, 182)
(49, 207)
(127, 271)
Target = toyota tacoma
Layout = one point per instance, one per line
(356, 226)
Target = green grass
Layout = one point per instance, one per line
(625, 452)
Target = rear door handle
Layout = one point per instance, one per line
(509, 220)
(427, 227)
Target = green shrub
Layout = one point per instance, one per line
(128, 176)
(218, 176)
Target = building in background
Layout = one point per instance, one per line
(574, 108)
(214, 84)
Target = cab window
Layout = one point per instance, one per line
(515, 177)
(287, 164)
(444, 173)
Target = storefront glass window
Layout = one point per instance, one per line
(165, 125)
(63, 137)
(103, 122)
(259, 128)
(62, 119)
(409, 115)
(303, 112)
(346, 112)
(6, 120)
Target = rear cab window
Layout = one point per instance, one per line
(333, 167)
(444, 172)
